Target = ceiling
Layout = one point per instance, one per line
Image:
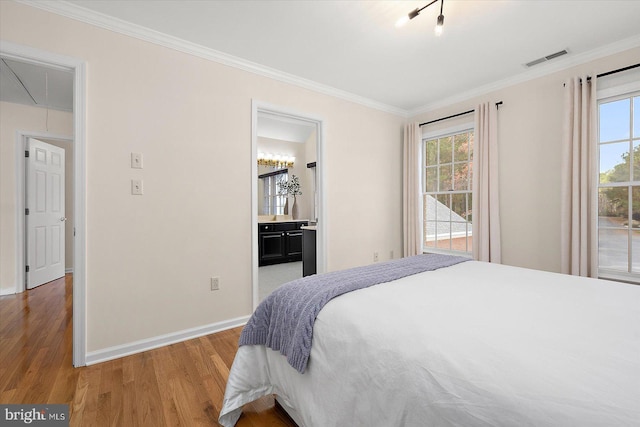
(35, 85)
(352, 48)
(284, 128)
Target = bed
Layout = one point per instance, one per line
(472, 344)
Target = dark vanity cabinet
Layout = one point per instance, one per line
(279, 242)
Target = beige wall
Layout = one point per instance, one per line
(14, 118)
(149, 258)
(530, 132)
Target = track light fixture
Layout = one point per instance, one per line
(416, 12)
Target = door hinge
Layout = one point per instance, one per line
(26, 153)
(27, 268)
(26, 211)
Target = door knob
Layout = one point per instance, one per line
(63, 219)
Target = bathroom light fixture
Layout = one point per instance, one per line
(416, 12)
(277, 160)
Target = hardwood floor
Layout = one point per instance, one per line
(178, 385)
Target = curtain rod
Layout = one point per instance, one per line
(619, 70)
(455, 115)
(274, 173)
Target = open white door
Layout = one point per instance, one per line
(45, 219)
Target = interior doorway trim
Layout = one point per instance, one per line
(49, 59)
(321, 233)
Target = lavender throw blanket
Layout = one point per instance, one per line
(284, 320)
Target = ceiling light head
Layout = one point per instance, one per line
(400, 22)
(439, 24)
(416, 12)
(408, 17)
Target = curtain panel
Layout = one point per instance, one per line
(411, 190)
(578, 208)
(486, 203)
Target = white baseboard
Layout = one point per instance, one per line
(13, 291)
(123, 350)
(7, 291)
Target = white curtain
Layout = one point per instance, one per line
(486, 204)
(579, 169)
(411, 190)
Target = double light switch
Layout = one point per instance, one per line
(136, 184)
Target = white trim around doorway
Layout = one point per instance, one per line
(321, 233)
(49, 59)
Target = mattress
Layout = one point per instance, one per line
(474, 344)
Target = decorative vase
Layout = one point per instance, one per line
(294, 208)
(286, 206)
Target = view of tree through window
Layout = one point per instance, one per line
(447, 192)
(273, 201)
(619, 186)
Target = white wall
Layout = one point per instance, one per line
(149, 258)
(14, 118)
(530, 132)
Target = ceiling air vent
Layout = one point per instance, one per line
(546, 58)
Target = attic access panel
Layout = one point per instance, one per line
(36, 85)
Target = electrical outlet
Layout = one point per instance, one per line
(375, 257)
(136, 187)
(215, 283)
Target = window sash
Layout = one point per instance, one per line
(273, 202)
(617, 229)
(446, 170)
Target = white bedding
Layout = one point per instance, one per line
(475, 344)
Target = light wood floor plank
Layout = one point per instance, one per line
(178, 385)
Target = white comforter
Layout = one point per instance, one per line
(475, 344)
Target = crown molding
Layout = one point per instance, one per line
(542, 70)
(78, 13)
(97, 19)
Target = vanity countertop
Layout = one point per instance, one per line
(277, 221)
(309, 227)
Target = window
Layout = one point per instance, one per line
(446, 197)
(619, 187)
(273, 203)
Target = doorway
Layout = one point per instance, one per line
(48, 237)
(287, 134)
(77, 67)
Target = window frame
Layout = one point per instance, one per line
(467, 126)
(270, 192)
(613, 93)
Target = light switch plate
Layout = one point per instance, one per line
(136, 187)
(136, 160)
